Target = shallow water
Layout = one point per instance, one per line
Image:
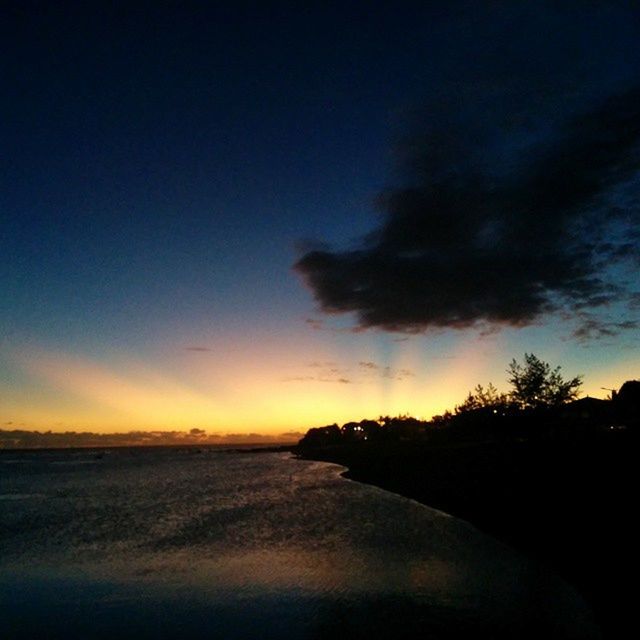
(166, 544)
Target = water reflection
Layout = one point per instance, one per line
(161, 544)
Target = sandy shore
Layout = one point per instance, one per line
(570, 505)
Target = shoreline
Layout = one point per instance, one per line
(567, 505)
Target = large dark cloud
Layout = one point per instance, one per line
(518, 203)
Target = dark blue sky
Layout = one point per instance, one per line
(165, 164)
(153, 154)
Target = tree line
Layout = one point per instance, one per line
(534, 385)
(539, 400)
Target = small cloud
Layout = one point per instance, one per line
(486, 330)
(316, 325)
(594, 329)
(322, 372)
(330, 377)
(292, 434)
(197, 348)
(385, 372)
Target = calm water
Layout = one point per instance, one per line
(168, 544)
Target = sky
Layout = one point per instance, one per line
(255, 218)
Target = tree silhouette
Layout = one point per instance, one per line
(536, 385)
(483, 398)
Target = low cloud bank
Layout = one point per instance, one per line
(24, 439)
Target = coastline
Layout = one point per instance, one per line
(566, 504)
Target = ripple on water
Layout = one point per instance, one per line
(255, 545)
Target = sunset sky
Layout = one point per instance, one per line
(258, 220)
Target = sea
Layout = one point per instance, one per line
(187, 543)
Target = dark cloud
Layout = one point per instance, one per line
(197, 348)
(519, 195)
(590, 328)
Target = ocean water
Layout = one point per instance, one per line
(165, 543)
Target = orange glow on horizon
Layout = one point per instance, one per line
(247, 386)
(255, 395)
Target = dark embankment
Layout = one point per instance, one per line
(569, 504)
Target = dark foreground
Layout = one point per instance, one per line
(571, 505)
(163, 544)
